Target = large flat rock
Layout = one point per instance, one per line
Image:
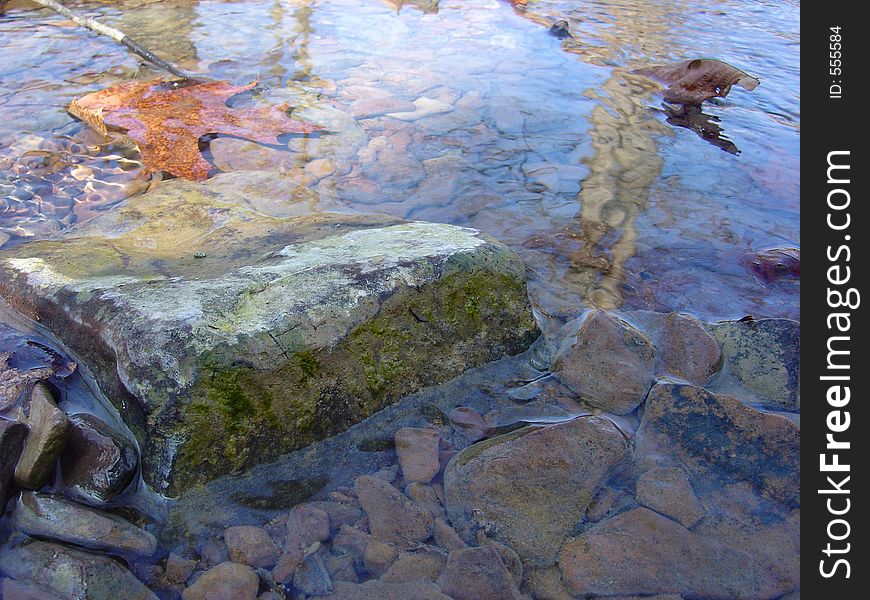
(227, 332)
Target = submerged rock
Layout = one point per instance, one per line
(226, 581)
(289, 330)
(97, 463)
(47, 437)
(474, 573)
(764, 355)
(393, 517)
(687, 350)
(379, 590)
(418, 453)
(610, 365)
(251, 546)
(72, 573)
(12, 436)
(641, 552)
(668, 492)
(43, 516)
(530, 488)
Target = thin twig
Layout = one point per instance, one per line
(118, 36)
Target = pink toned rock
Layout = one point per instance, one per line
(641, 552)
(687, 350)
(446, 537)
(413, 565)
(469, 422)
(610, 365)
(251, 546)
(668, 492)
(375, 107)
(475, 573)
(227, 581)
(393, 517)
(418, 453)
(306, 525)
(379, 590)
(425, 496)
(379, 556)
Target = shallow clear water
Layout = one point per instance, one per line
(548, 145)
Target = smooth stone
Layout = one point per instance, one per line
(375, 107)
(425, 496)
(558, 469)
(667, 491)
(764, 355)
(226, 581)
(12, 436)
(311, 577)
(69, 572)
(251, 546)
(469, 422)
(417, 450)
(641, 552)
(339, 513)
(214, 552)
(610, 365)
(306, 524)
(379, 590)
(413, 565)
(446, 537)
(178, 569)
(221, 363)
(378, 556)
(423, 107)
(351, 540)
(285, 567)
(393, 517)
(97, 463)
(55, 518)
(719, 439)
(475, 573)
(687, 350)
(48, 430)
(320, 167)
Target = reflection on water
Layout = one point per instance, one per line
(459, 112)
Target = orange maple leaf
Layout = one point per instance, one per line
(166, 119)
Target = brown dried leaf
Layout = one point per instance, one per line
(167, 120)
(693, 81)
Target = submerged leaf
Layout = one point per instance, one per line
(693, 81)
(167, 120)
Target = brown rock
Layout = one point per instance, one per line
(425, 496)
(72, 573)
(611, 364)
(668, 492)
(469, 422)
(529, 488)
(55, 518)
(418, 453)
(412, 565)
(379, 590)
(178, 569)
(306, 525)
(97, 462)
(251, 546)
(446, 537)
(47, 437)
(286, 566)
(12, 435)
(375, 107)
(475, 573)
(764, 355)
(379, 556)
(392, 516)
(640, 552)
(720, 439)
(226, 581)
(687, 350)
(545, 583)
